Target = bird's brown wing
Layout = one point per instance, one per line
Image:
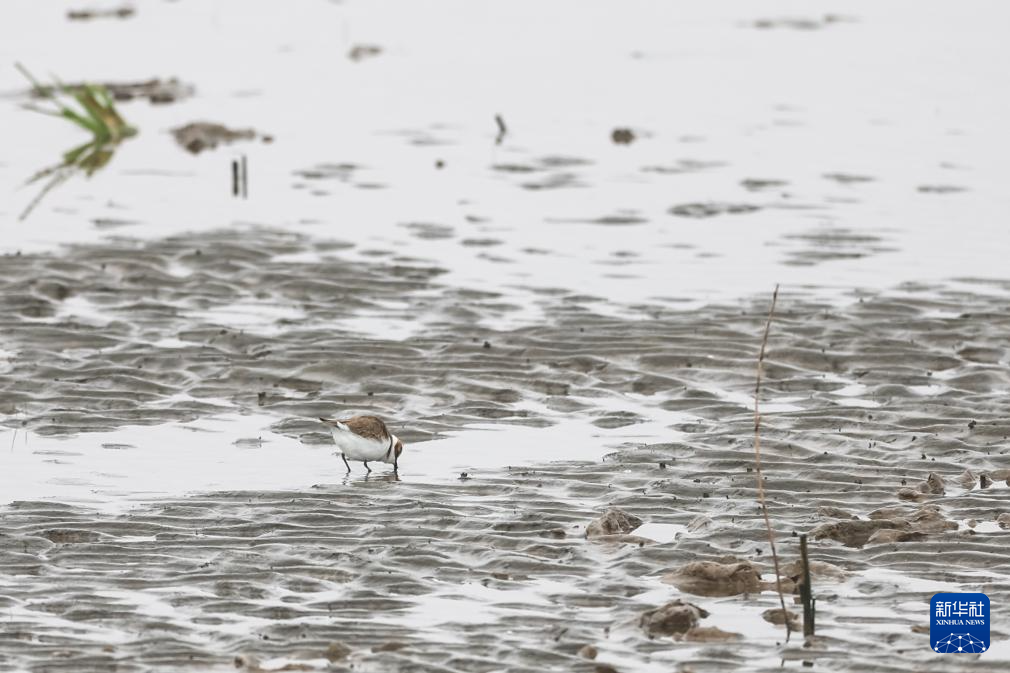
(368, 427)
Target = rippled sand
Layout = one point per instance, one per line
(874, 410)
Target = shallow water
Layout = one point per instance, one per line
(556, 324)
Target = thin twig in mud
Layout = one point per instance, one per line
(757, 460)
(806, 592)
(502, 129)
(245, 178)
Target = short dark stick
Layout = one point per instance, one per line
(502, 129)
(806, 592)
(234, 177)
(245, 178)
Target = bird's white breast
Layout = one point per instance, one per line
(357, 447)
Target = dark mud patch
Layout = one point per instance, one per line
(940, 189)
(712, 209)
(801, 23)
(197, 137)
(123, 12)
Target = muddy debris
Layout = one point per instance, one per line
(1003, 520)
(778, 618)
(712, 209)
(853, 533)
(588, 652)
(613, 522)
(835, 513)
(622, 136)
(967, 480)
(124, 12)
(360, 52)
(710, 634)
(933, 485)
(673, 619)
(888, 524)
(196, 137)
(984, 481)
(710, 578)
(820, 571)
(799, 23)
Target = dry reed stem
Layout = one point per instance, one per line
(757, 461)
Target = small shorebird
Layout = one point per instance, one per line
(365, 438)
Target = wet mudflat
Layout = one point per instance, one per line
(548, 266)
(884, 439)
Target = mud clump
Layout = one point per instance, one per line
(853, 533)
(778, 618)
(889, 524)
(710, 578)
(933, 485)
(710, 634)
(711, 209)
(613, 522)
(199, 136)
(673, 619)
(622, 136)
(360, 52)
(124, 12)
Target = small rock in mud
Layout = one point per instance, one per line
(360, 52)
(1003, 520)
(337, 652)
(710, 634)
(710, 578)
(910, 494)
(123, 12)
(920, 628)
(967, 480)
(588, 652)
(819, 571)
(933, 485)
(622, 136)
(835, 513)
(711, 209)
(674, 618)
(614, 522)
(199, 136)
(984, 481)
(853, 533)
(884, 536)
(775, 616)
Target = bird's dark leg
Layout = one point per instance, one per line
(396, 467)
(366, 465)
(346, 463)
